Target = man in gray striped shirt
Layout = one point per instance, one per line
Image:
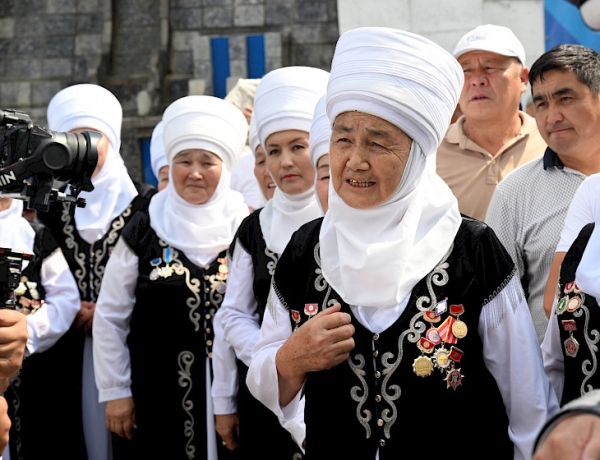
(528, 208)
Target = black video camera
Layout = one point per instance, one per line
(33, 158)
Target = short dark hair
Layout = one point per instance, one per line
(584, 62)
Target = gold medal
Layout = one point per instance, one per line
(422, 366)
(459, 329)
(442, 358)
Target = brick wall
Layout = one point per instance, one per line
(148, 52)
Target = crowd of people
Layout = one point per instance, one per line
(387, 257)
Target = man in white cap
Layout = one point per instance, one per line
(395, 315)
(493, 136)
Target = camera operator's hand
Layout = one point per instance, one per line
(13, 339)
(85, 317)
(5, 424)
(120, 417)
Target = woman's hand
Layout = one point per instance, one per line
(120, 417)
(85, 316)
(228, 427)
(321, 343)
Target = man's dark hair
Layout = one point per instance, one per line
(584, 62)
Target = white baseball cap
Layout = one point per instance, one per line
(495, 39)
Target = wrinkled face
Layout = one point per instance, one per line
(265, 181)
(493, 84)
(195, 174)
(368, 156)
(102, 147)
(322, 185)
(163, 177)
(288, 161)
(567, 114)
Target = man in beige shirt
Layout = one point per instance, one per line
(493, 136)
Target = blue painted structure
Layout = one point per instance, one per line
(563, 24)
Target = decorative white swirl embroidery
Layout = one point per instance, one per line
(363, 416)
(439, 277)
(193, 284)
(588, 368)
(271, 263)
(185, 361)
(110, 240)
(68, 229)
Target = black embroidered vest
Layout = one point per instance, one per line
(250, 237)
(39, 405)
(578, 318)
(375, 398)
(171, 336)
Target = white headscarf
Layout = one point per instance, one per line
(201, 231)
(320, 132)
(92, 106)
(15, 231)
(587, 275)
(374, 257)
(285, 99)
(158, 158)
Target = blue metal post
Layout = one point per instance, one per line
(255, 44)
(220, 62)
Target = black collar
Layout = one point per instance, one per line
(551, 159)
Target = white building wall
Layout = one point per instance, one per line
(446, 21)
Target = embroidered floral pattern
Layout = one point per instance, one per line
(185, 361)
(78, 256)
(361, 394)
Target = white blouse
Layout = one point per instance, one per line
(62, 303)
(239, 320)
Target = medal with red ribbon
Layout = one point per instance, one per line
(571, 344)
(296, 318)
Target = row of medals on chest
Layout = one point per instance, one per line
(162, 268)
(434, 353)
(570, 302)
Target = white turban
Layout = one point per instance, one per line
(374, 257)
(285, 99)
(87, 106)
(401, 77)
(158, 158)
(320, 132)
(94, 107)
(201, 231)
(254, 142)
(208, 123)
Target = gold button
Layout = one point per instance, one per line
(207, 316)
(207, 290)
(210, 355)
(375, 336)
(375, 353)
(206, 277)
(207, 304)
(378, 398)
(206, 267)
(209, 343)
(379, 422)
(382, 442)
(377, 374)
(208, 330)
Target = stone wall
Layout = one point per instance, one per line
(148, 52)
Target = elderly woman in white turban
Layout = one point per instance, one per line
(48, 295)
(283, 110)
(166, 280)
(320, 136)
(158, 157)
(394, 315)
(88, 237)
